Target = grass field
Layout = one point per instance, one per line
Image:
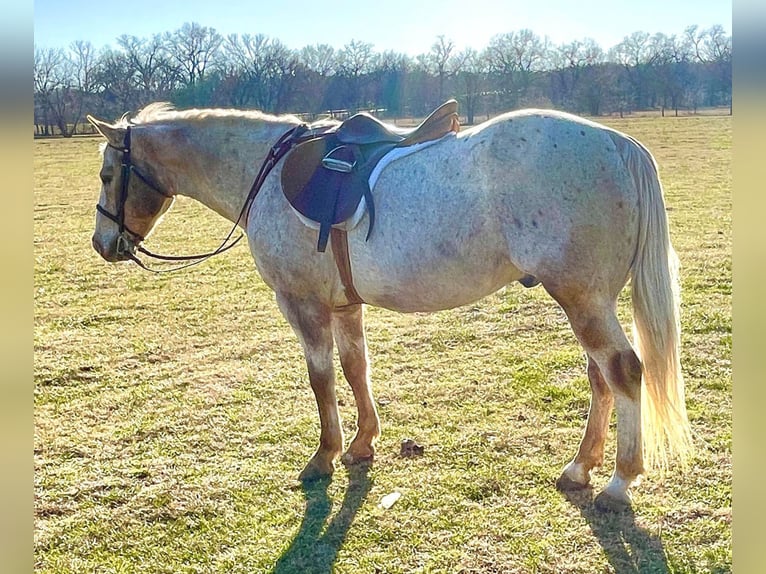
(173, 412)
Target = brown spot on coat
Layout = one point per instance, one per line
(625, 373)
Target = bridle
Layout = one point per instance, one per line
(284, 144)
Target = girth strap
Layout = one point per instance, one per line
(339, 240)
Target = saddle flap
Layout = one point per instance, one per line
(324, 196)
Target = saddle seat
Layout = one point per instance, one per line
(364, 129)
(326, 177)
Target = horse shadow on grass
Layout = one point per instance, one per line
(628, 547)
(315, 547)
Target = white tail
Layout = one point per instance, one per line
(656, 318)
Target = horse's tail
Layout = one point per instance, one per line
(656, 317)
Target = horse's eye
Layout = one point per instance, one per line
(106, 179)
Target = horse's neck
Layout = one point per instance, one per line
(215, 161)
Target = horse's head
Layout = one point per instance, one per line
(131, 202)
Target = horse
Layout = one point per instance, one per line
(534, 196)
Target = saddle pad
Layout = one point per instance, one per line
(399, 153)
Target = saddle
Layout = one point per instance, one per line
(326, 177)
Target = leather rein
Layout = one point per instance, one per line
(283, 145)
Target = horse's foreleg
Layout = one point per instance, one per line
(312, 323)
(576, 474)
(348, 329)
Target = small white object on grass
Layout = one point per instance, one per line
(388, 500)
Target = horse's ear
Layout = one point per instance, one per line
(113, 134)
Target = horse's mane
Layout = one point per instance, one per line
(163, 111)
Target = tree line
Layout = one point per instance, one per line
(195, 66)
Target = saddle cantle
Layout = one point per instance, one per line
(326, 177)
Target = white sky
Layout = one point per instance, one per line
(408, 26)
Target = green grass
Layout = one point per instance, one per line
(173, 412)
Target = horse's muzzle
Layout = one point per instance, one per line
(115, 251)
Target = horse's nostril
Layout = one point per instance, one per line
(97, 245)
(100, 248)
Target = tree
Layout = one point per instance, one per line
(716, 53)
(389, 81)
(442, 62)
(76, 86)
(632, 55)
(193, 47)
(514, 57)
(195, 66)
(155, 75)
(472, 79)
(318, 63)
(670, 69)
(711, 48)
(46, 79)
(573, 72)
(115, 83)
(319, 58)
(354, 62)
(263, 69)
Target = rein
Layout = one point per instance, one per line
(283, 145)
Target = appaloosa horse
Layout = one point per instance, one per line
(532, 196)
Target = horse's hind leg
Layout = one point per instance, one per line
(600, 333)
(348, 329)
(312, 323)
(576, 474)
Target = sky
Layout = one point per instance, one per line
(404, 26)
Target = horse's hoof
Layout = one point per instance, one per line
(351, 458)
(315, 470)
(573, 477)
(606, 502)
(567, 484)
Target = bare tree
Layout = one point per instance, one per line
(115, 83)
(670, 68)
(513, 59)
(472, 77)
(195, 66)
(716, 51)
(193, 47)
(355, 60)
(712, 49)
(46, 80)
(84, 68)
(155, 74)
(571, 64)
(265, 67)
(442, 61)
(389, 78)
(633, 55)
(319, 58)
